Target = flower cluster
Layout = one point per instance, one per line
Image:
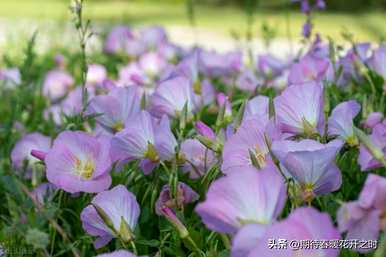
(189, 137)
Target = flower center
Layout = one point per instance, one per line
(308, 127)
(118, 127)
(257, 157)
(197, 87)
(85, 169)
(151, 153)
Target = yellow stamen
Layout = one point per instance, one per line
(118, 127)
(84, 169)
(197, 87)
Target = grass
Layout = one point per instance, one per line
(365, 26)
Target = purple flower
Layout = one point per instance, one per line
(117, 212)
(153, 36)
(96, 74)
(119, 253)
(257, 107)
(146, 140)
(133, 74)
(223, 102)
(214, 64)
(22, 150)
(240, 198)
(10, 77)
(247, 80)
(378, 140)
(299, 109)
(204, 130)
(308, 69)
(44, 192)
(340, 123)
(152, 64)
(304, 223)
(373, 119)
(270, 66)
(170, 215)
(357, 55)
(79, 162)
(117, 39)
(56, 84)
(69, 106)
(307, 29)
(171, 96)
(115, 109)
(198, 158)
(311, 164)
(185, 195)
(247, 149)
(365, 217)
(378, 61)
(320, 4)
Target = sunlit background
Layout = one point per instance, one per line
(220, 24)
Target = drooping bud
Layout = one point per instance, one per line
(125, 232)
(38, 154)
(375, 151)
(211, 144)
(106, 219)
(173, 219)
(204, 130)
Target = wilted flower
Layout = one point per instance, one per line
(22, 150)
(113, 213)
(79, 162)
(245, 197)
(198, 158)
(146, 140)
(56, 84)
(184, 196)
(115, 109)
(377, 142)
(310, 164)
(303, 224)
(299, 109)
(340, 123)
(171, 96)
(365, 218)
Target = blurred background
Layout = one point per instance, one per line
(216, 24)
